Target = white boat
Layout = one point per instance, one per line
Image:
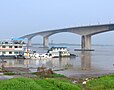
(29, 54)
(45, 56)
(13, 48)
(59, 52)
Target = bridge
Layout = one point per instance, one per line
(86, 32)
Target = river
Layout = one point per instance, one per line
(87, 62)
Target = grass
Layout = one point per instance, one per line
(41, 84)
(10, 73)
(19, 84)
(54, 75)
(55, 82)
(103, 83)
(64, 85)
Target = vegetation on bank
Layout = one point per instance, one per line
(102, 83)
(10, 73)
(48, 80)
(40, 84)
(56, 82)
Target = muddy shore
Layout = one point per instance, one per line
(84, 74)
(68, 73)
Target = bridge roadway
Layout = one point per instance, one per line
(86, 32)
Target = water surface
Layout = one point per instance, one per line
(102, 59)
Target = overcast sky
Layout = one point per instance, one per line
(21, 17)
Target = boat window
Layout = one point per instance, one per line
(16, 46)
(3, 46)
(20, 53)
(20, 46)
(10, 46)
(3, 52)
(15, 52)
(10, 52)
(6, 42)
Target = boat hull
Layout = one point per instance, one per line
(12, 57)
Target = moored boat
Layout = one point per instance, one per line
(29, 54)
(56, 52)
(12, 49)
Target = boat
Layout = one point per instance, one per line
(53, 52)
(29, 54)
(56, 52)
(45, 56)
(12, 49)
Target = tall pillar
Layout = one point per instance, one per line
(86, 42)
(29, 43)
(45, 41)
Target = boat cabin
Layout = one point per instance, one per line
(11, 48)
(58, 52)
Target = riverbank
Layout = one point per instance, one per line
(40, 80)
(70, 73)
(83, 80)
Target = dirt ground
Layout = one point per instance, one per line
(84, 74)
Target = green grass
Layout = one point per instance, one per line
(56, 82)
(19, 84)
(41, 84)
(103, 83)
(64, 85)
(10, 73)
(49, 75)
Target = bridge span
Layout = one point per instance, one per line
(86, 32)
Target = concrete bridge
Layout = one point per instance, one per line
(86, 33)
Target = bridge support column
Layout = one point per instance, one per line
(29, 43)
(86, 42)
(45, 41)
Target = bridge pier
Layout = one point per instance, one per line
(45, 41)
(29, 43)
(86, 42)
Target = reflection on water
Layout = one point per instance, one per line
(54, 63)
(14, 63)
(50, 63)
(86, 60)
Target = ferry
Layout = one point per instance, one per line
(12, 49)
(56, 52)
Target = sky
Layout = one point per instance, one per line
(21, 17)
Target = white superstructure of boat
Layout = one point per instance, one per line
(29, 54)
(13, 48)
(58, 52)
